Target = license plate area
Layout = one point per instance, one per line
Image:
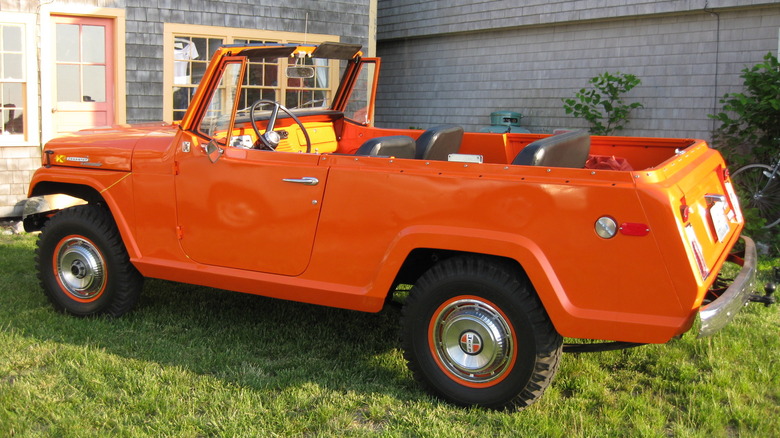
(720, 220)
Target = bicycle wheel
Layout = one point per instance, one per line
(758, 189)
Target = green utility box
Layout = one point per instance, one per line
(505, 121)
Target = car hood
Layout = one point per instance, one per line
(108, 148)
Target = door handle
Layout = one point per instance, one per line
(306, 180)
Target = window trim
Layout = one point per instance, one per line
(173, 30)
(31, 132)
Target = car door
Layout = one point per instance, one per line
(244, 208)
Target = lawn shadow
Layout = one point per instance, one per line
(261, 343)
(268, 341)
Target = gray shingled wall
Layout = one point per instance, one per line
(346, 18)
(462, 77)
(414, 18)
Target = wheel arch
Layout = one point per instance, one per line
(419, 250)
(419, 260)
(83, 190)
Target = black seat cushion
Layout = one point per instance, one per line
(439, 142)
(569, 149)
(398, 146)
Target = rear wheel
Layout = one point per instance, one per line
(476, 334)
(83, 266)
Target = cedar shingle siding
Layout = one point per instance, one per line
(457, 61)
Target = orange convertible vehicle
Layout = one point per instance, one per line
(275, 182)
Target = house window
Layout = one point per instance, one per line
(18, 80)
(191, 55)
(81, 63)
(189, 49)
(13, 84)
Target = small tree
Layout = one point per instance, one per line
(602, 105)
(750, 121)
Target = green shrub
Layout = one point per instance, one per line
(602, 105)
(750, 121)
(749, 132)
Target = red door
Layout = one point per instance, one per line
(83, 73)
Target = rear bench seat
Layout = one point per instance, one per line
(569, 149)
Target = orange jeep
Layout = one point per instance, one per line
(275, 184)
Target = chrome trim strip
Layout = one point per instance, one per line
(715, 315)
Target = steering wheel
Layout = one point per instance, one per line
(270, 139)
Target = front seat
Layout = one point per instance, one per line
(439, 142)
(398, 146)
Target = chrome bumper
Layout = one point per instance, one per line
(715, 315)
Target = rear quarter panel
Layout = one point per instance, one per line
(377, 210)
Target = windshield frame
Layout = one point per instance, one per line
(346, 57)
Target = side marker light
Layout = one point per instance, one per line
(634, 229)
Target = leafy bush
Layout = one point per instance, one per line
(750, 121)
(750, 133)
(602, 105)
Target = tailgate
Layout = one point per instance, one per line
(694, 211)
(710, 216)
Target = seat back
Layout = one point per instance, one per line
(439, 142)
(399, 146)
(569, 149)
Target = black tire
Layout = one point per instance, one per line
(475, 333)
(83, 266)
(758, 187)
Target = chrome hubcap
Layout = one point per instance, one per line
(473, 340)
(80, 268)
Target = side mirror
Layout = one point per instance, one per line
(300, 72)
(212, 151)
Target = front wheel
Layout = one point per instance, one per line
(476, 334)
(83, 266)
(758, 187)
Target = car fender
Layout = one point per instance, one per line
(114, 188)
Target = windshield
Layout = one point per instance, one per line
(220, 108)
(300, 78)
(285, 81)
(358, 103)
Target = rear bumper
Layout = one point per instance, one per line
(715, 315)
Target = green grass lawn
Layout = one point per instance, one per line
(193, 361)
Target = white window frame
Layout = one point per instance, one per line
(31, 135)
(171, 31)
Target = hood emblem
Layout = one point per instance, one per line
(84, 161)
